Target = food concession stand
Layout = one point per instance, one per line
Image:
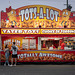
(39, 32)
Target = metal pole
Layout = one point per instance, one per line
(0, 56)
(0, 50)
(0, 39)
(0, 19)
(67, 4)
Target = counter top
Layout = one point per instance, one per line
(44, 50)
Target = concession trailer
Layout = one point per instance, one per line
(42, 33)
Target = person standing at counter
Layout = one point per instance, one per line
(14, 49)
(44, 45)
(63, 45)
(6, 50)
(52, 47)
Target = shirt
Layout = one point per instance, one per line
(6, 50)
(44, 46)
(62, 45)
(14, 51)
(51, 48)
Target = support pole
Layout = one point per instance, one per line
(67, 4)
(39, 43)
(0, 49)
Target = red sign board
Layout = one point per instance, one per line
(43, 56)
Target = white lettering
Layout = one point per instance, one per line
(41, 13)
(56, 15)
(4, 31)
(8, 31)
(47, 12)
(26, 14)
(52, 14)
(31, 13)
(22, 15)
(35, 11)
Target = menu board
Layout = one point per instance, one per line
(32, 43)
(25, 43)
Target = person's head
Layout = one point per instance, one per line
(13, 43)
(52, 45)
(6, 46)
(63, 42)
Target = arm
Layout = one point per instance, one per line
(17, 48)
(6, 49)
(11, 49)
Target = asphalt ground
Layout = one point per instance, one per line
(38, 69)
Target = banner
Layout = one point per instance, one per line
(35, 16)
(20, 31)
(43, 56)
(57, 31)
(38, 31)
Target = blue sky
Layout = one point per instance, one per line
(19, 3)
